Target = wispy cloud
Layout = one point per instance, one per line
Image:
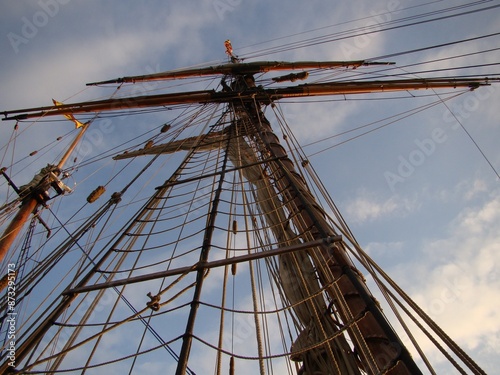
(465, 190)
(368, 207)
(459, 277)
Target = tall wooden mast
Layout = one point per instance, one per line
(341, 328)
(35, 194)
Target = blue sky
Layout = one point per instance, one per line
(435, 228)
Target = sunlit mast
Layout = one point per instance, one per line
(36, 193)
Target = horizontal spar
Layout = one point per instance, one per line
(241, 69)
(200, 266)
(259, 94)
(111, 105)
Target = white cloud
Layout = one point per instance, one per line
(454, 276)
(458, 283)
(465, 190)
(318, 117)
(107, 50)
(378, 249)
(367, 207)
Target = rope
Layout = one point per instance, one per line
(25, 371)
(330, 26)
(396, 118)
(372, 29)
(476, 145)
(383, 57)
(364, 257)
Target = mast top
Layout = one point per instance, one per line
(230, 53)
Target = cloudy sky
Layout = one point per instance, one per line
(421, 195)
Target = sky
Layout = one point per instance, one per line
(421, 195)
